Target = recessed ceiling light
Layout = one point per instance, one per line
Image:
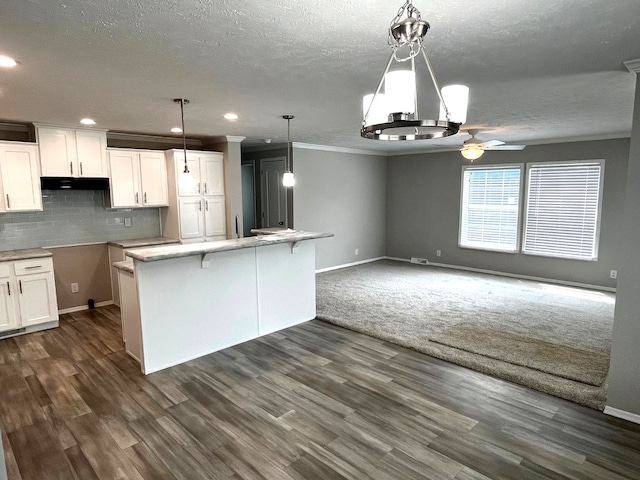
(176, 130)
(230, 116)
(7, 61)
(88, 121)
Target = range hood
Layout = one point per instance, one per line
(71, 183)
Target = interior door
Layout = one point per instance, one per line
(274, 195)
(249, 219)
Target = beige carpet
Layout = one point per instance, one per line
(411, 304)
(586, 366)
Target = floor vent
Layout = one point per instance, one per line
(419, 261)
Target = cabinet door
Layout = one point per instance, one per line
(191, 217)
(8, 317)
(215, 224)
(37, 298)
(153, 179)
(57, 152)
(212, 175)
(92, 154)
(193, 161)
(124, 179)
(20, 179)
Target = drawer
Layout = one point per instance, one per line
(36, 265)
(5, 269)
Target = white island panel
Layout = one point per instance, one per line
(286, 284)
(188, 311)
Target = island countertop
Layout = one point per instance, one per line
(176, 251)
(143, 242)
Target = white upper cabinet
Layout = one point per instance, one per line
(212, 175)
(66, 152)
(138, 178)
(19, 177)
(92, 153)
(153, 179)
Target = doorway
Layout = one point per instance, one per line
(273, 195)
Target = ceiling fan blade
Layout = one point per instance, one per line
(492, 143)
(507, 147)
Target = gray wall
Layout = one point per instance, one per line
(72, 217)
(342, 193)
(423, 205)
(624, 373)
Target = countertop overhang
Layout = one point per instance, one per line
(176, 251)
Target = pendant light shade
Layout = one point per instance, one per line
(288, 180)
(456, 98)
(378, 110)
(400, 89)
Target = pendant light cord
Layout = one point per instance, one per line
(183, 101)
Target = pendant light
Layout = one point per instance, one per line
(288, 180)
(185, 180)
(393, 115)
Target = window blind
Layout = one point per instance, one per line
(490, 206)
(563, 210)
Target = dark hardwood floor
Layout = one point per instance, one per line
(310, 402)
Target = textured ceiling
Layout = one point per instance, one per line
(539, 71)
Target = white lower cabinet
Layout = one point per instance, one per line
(28, 295)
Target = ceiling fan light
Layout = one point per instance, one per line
(379, 112)
(456, 98)
(472, 152)
(400, 89)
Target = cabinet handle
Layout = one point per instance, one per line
(200, 204)
(71, 165)
(136, 198)
(32, 267)
(198, 188)
(145, 198)
(205, 188)
(9, 288)
(80, 168)
(20, 283)
(8, 201)
(206, 204)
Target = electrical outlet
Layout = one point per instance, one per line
(127, 221)
(613, 274)
(419, 261)
(438, 253)
(357, 251)
(74, 288)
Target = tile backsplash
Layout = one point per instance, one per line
(72, 217)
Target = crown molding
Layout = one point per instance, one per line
(328, 148)
(633, 65)
(137, 137)
(234, 139)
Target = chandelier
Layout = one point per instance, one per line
(393, 115)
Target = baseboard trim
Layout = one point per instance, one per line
(84, 307)
(615, 412)
(512, 275)
(338, 267)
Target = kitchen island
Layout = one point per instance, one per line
(180, 302)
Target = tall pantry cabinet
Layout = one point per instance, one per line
(196, 213)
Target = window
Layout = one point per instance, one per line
(563, 209)
(490, 207)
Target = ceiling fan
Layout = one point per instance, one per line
(473, 148)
